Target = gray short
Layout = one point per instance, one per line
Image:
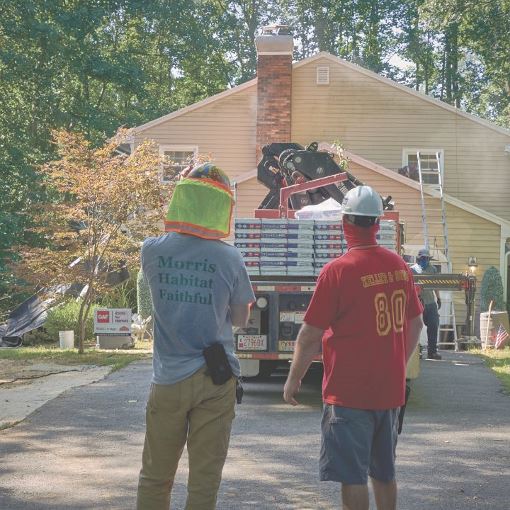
(357, 443)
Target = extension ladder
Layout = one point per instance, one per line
(431, 177)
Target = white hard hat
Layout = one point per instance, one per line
(362, 201)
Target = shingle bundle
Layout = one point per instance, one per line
(296, 247)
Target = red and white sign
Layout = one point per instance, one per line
(112, 321)
(103, 316)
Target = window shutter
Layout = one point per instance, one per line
(323, 75)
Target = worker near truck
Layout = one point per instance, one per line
(367, 314)
(200, 289)
(431, 302)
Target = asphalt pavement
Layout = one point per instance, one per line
(82, 450)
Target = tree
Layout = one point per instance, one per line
(491, 290)
(104, 204)
(475, 55)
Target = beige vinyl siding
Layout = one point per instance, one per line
(470, 235)
(377, 121)
(223, 130)
(249, 196)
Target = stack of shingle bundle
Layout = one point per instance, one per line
(273, 247)
(300, 247)
(247, 240)
(329, 242)
(296, 247)
(387, 235)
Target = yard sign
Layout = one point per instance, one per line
(112, 321)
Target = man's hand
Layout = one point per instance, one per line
(291, 389)
(438, 303)
(308, 343)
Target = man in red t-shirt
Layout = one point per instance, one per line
(366, 312)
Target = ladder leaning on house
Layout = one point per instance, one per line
(432, 178)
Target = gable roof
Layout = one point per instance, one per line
(341, 62)
(195, 106)
(482, 213)
(403, 88)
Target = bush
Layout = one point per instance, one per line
(37, 337)
(64, 317)
(492, 290)
(123, 295)
(144, 300)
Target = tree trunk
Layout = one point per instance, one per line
(82, 317)
(81, 325)
(448, 68)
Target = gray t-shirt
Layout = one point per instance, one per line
(193, 283)
(427, 295)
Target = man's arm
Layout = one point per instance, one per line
(240, 315)
(413, 335)
(308, 344)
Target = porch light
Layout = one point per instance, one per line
(472, 264)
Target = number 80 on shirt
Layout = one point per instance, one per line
(390, 312)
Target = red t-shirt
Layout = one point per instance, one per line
(364, 300)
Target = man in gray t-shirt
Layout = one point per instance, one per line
(194, 282)
(200, 289)
(431, 303)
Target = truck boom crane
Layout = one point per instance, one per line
(285, 164)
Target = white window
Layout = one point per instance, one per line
(175, 159)
(430, 160)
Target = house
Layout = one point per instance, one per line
(382, 125)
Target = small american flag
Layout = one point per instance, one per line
(501, 337)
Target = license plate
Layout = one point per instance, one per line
(286, 345)
(252, 342)
(287, 316)
(299, 317)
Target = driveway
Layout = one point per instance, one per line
(82, 450)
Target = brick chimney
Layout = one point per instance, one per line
(274, 85)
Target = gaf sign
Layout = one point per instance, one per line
(112, 321)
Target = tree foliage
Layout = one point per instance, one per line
(491, 290)
(92, 66)
(107, 203)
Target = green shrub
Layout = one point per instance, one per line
(37, 337)
(123, 295)
(144, 300)
(64, 317)
(491, 290)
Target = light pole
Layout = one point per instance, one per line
(470, 298)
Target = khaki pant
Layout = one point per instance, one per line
(194, 411)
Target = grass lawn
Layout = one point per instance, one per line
(53, 354)
(499, 362)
